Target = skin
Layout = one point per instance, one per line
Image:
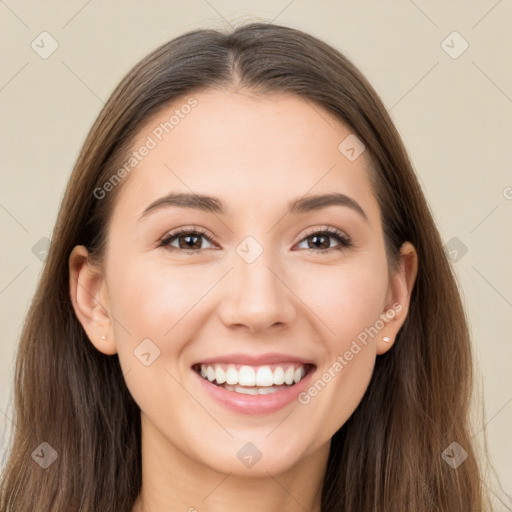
(255, 153)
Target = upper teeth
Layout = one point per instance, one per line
(253, 376)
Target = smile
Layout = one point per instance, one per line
(253, 380)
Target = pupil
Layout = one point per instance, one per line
(187, 244)
(316, 237)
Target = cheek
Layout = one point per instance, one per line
(150, 299)
(150, 303)
(348, 301)
(345, 299)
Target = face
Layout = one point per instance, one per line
(259, 284)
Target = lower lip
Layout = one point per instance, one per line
(255, 404)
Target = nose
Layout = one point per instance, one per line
(257, 296)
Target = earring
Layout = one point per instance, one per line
(103, 338)
(386, 339)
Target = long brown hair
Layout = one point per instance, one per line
(387, 456)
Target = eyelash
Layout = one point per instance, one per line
(345, 241)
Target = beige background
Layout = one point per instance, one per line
(454, 115)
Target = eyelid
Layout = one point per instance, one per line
(324, 229)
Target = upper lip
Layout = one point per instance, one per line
(255, 360)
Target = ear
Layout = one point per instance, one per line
(399, 295)
(90, 300)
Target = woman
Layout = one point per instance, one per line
(246, 302)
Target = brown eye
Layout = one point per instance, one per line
(320, 241)
(191, 241)
(188, 240)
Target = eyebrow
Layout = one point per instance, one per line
(214, 205)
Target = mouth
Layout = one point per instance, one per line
(253, 380)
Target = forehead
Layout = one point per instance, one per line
(253, 151)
